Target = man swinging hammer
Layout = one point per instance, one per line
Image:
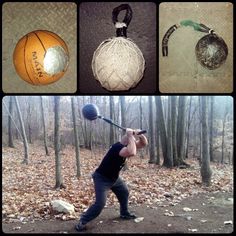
(106, 177)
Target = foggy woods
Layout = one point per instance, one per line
(186, 127)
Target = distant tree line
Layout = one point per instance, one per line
(179, 127)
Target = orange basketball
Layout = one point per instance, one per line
(41, 57)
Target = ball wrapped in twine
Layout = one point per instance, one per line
(211, 51)
(118, 64)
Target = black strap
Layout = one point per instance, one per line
(121, 32)
(166, 39)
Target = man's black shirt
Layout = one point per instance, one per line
(112, 162)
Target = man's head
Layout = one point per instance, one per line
(124, 140)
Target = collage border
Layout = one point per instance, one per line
(78, 92)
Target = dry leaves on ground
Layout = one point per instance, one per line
(29, 189)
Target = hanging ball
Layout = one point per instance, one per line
(90, 111)
(211, 51)
(41, 57)
(118, 64)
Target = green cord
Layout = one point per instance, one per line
(195, 25)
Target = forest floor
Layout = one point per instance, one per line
(169, 200)
(210, 211)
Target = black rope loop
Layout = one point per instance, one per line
(121, 31)
(165, 39)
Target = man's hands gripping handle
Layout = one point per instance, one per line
(135, 132)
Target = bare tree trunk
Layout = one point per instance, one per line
(112, 107)
(86, 139)
(223, 135)
(44, 128)
(211, 127)
(26, 157)
(117, 120)
(157, 137)
(10, 137)
(81, 120)
(91, 132)
(223, 142)
(59, 182)
(158, 161)
(78, 173)
(122, 111)
(205, 166)
(174, 128)
(162, 128)
(141, 121)
(169, 136)
(200, 136)
(181, 130)
(194, 138)
(151, 132)
(181, 127)
(188, 126)
(141, 113)
(165, 110)
(29, 121)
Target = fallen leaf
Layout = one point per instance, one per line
(203, 221)
(139, 219)
(11, 216)
(169, 213)
(187, 209)
(167, 194)
(22, 218)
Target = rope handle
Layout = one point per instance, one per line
(121, 27)
(165, 39)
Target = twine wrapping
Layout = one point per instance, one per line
(118, 64)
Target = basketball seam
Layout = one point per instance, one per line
(40, 42)
(43, 49)
(24, 60)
